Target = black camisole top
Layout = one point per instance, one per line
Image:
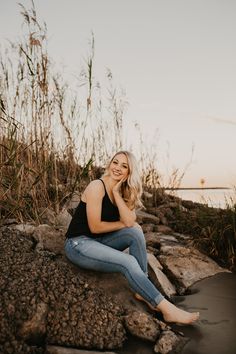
(79, 222)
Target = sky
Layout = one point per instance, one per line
(176, 61)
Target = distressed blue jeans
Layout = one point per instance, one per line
(104, 253)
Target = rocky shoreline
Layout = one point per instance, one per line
(50, 306)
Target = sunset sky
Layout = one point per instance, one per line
(176, 60)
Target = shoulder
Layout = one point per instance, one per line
(95, 186)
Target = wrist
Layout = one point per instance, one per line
(122, 224)
(115, 192)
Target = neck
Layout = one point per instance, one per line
(110, 182)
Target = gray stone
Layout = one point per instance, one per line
(148, 227)
(53, 349)
(47, 216)
(9, 221)
(185, 266)
(158, 278)
(163, 220)
(170, 238)
(25, 228)
(63, 219)
(181, 237)
(153, 239)
(153, 250)
(143, 217)
(142, 325)
(74, 201)
(164, 229)
(169, 342)
(49, 239)
(153, 261)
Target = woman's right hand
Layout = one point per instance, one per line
(116, 188)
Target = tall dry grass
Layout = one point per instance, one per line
(50, 136)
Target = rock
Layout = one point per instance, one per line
(25, 228)
(79, 314)
(152, 210)
(143, 217)
(49, 239)
(63, 220)
(74, 201)
(185, 266)
(163, 220)
(153, 239)
(53, 349)
(10, 221)
(163, 229)
(169, 342)
(153, 261)
(68, 210)
(116, 286)
(167, 238)
(157, 239)
(159, 279)
(153, 250)
(163, 212)
(142, 325)
(181, 237)
(148, 227)
(173, 204)
(34, 330)
(147, 199)
(47, 216)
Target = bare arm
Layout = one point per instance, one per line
(127, 216)
(94, 194)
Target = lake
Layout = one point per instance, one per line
(218, 198)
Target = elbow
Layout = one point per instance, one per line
(94, 229)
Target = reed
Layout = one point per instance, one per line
(51, 137)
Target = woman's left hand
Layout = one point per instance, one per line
(138, 226)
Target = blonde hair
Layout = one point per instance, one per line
(131, 189)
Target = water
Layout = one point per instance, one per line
(217, 198)
(214, 333)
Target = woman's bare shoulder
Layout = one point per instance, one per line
(95, 186)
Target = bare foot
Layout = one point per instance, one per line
(171, 313)
(140, 298)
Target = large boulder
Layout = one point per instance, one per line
(53, 349)
(143, 217)
(50, 239)
(158, 278)
(169, 342)
(143, 326)
(186, 265)
(43, 299)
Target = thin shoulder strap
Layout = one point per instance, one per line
(103, 184)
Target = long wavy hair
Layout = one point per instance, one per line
(131, 189)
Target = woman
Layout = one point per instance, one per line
(104, 225)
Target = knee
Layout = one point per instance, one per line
(137, 234)
(131, 264)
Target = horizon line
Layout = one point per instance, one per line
(193, 188)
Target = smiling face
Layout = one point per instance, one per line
(119, 167)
